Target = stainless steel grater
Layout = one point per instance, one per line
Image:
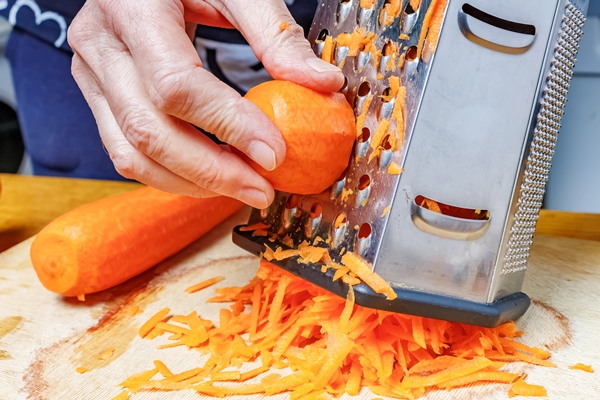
(481, 117)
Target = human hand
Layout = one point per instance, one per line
(145, 84)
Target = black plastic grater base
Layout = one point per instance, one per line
(411, 302)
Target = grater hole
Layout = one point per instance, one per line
(364, 89)
(388, 49)
(364, 182)
(385, 98)
(364, 231)
(411, 53)
(338, 229)
(343, 10)
(364, 239)
(314, 220)
(362, 142)
(344, 86)
(338, 186)
(386, 154)
(364, 136)
(364, 190)
(316, 211)
(292, 202)
(291, 211)
(340, 221)
(409, 19)
(323, 34)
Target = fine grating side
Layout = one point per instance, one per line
(544, 140)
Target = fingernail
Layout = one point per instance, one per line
(254, 197)
(263, 154)
(321, 66)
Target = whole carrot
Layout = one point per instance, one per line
(106, 242)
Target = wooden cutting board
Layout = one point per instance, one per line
(44, 337)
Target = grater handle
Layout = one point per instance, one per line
(493, 32)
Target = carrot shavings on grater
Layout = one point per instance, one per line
(331, 346)
(432, 25)
(328, 47)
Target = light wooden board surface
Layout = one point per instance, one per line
(28, 203)
(44, 337)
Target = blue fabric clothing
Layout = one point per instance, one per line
(59, 129)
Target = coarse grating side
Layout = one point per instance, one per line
(544, 140)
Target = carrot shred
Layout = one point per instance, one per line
(582, 367)
(81, 370)
(522, 388)
(284, 26)
(81, 297)
(255, 227)
(365, 272)
(162, 369)
(332, 345)
(394, 169)
(328, 48)
(204, 284)
(151, 323)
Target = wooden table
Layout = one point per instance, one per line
(27, 204)
(44, 337)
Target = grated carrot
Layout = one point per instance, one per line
(332, 345)
(328, 48)
(582, 367)
(394, 169)
(284, 26)
(254, 227)
(204, 284)
(151, 323)
(81, 297)
(162, 369)
(81, 370)
(365, 272)
(522, 388)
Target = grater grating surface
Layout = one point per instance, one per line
(544, 140)
(420, 97)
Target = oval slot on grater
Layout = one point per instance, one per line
(458, 104)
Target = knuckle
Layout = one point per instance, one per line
(209, 175)
(141, 132)
(125, 162)
(170, 93)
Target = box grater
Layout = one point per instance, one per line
(451, 232)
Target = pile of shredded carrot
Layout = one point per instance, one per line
(284, 334)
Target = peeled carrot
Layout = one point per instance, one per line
(104, 243)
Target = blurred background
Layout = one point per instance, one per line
(574, 183)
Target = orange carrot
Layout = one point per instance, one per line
(104, 243)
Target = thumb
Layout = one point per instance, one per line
(279, 43)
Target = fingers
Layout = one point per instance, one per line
(285, 53)
(128, 161)
(166, 140)
(170, 69)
